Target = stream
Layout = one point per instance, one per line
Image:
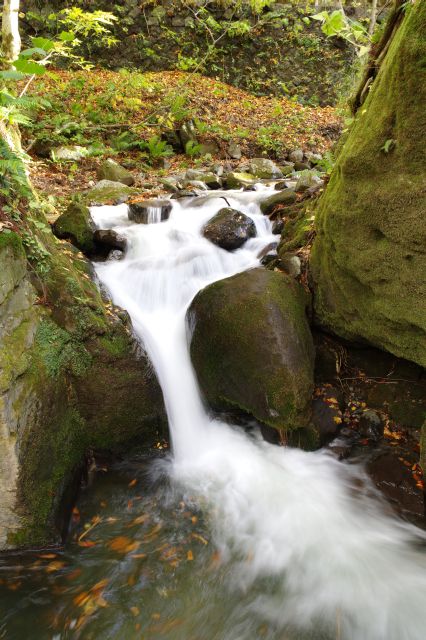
(227, 537)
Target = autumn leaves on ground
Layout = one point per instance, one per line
(113, 114)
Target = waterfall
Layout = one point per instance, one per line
(309, 532)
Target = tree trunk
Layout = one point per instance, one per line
(368, 262)
(373, 17)
(11, 39)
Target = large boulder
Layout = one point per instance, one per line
(253, 352)
(150, 211)
(77, 226)
(229, 229)
(111, 170)
(59, 362)
(368, 262)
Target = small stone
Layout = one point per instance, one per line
(278, 227)
(371, 425)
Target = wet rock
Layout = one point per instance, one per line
(229, 229)
(110, 239)
(269, 250)
(77, 226)
(184, 193)
(238, 369)
(116, 254)
(150, 211)
(286, 197)
(278, 227)
(326, 416)
(371, 425)
(111, 170)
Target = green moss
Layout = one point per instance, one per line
(11, 239)
(369, 258)
(116, 345)
(59, 351)
(76, 225)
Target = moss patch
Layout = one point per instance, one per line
(369, 257)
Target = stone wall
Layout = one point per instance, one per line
(279, 51)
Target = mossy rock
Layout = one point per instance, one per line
(108, 192)
(112, 171)
(253, 352)
(286, 197)
(76, 225)
(237, 180)
(73, 380)
(368, 262)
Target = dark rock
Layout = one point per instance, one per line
(278, 227)
(371, 425)
(229, 229)
(238, 369)
(77, 226)
(327, 417)
(286, 197)
(110, 239)
(150, 211)
(270, 249)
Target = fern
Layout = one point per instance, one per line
(13, 177)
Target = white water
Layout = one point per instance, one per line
(309, 526)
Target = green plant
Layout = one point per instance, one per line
(193, 148)
(157, 148)
(337, 24)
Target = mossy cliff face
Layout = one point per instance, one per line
(72, 380)
(252, 350)
(369, 259)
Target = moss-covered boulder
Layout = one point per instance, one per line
(369, 259)
(238, 180)
(108, 192)
(73, 380)
(284, 198)
(111, 170)
(253, 353)
(77, 226)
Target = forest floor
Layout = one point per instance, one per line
(116, 114)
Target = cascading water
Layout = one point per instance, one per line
(318, 554)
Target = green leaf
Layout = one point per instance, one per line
(67, 36)
(11, 75)
(43, 43)
(29, 67)
(27, 53)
